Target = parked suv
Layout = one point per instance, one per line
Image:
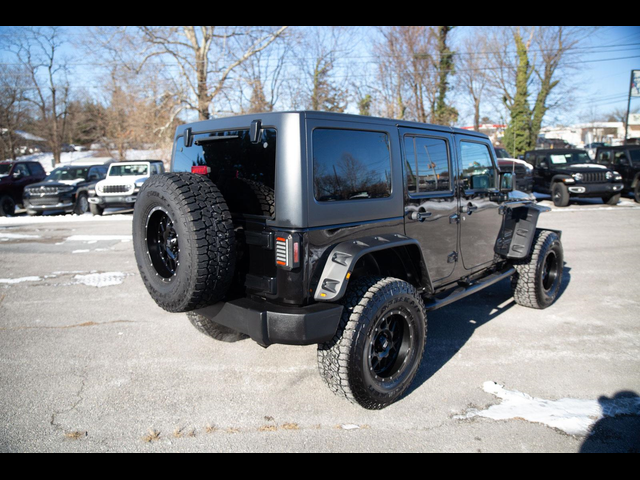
(14, 177)
(120, 188)
(309, 228)
(66, 189)
(625, 159)
(566, 173)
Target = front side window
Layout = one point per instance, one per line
(427, 165)
(351, 165)
(478, 172)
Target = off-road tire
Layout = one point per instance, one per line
(612, 199)
(7, 206)
(351, 363)
(560, 194)
(538, 279)
(195, 265)
(96, 210)
(214, 330)
(82, 204)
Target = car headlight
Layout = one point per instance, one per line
(617, 177)
(577, 176)
(139, 183)
(65, 189)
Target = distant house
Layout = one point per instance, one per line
(23, 142)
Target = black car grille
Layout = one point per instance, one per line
(595, 177)
(44, 191)
(115, 189)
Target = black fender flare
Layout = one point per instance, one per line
(344, 256)
(519, 230)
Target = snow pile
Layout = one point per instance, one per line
(572, 416)
(100, 280)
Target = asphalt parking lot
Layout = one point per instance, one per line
(89, 363)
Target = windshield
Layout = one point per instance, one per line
(128, 170)
(67, 174)
(569, 158)
(5, 169)
(502, 153)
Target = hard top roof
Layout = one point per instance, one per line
(266, 118)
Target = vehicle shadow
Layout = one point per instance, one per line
(449, 329)
(619, 430)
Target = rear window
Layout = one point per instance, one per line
(351, 165)
(244, 172)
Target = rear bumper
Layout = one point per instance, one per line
(269, 324)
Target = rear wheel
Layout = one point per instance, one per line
(214, 330)
(184, 241)
(377, 350)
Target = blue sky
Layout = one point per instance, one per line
(601, 82)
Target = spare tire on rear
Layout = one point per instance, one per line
(184, 241)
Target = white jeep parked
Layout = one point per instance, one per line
(120, 188)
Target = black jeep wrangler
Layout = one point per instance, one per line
(564, 173)
(314, 228)
(624, 159)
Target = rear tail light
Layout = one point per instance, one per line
(288, 251)
(201, 170)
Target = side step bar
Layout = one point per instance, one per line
(461, 292)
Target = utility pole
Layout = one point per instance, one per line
(634, 91)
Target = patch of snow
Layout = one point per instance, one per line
(99, 238)
(100, 280)
(573, 416)
(17, 236)
(12, 281)
(28, 220)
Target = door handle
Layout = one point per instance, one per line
(469, 208)
(420, 216)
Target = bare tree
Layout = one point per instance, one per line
(471, 74)
(199, 61)
(320, 81)
(37, 50)
(14, 111)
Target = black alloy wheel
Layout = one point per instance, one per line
(162, 243)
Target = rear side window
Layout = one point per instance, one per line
(243, 171)
(351, 165)
(36, 169)
(478, 172)
(427, 165)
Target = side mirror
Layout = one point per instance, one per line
(18, 174)
(624, 161)
(93, 177)
(544, 164)
(507, 183)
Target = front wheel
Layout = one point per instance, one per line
(82, 204)
(376, 353)
(611, 199)
(537, 281)
(636, 192)
(7, 206)
(560, 195)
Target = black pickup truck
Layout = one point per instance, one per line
(14, 177)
